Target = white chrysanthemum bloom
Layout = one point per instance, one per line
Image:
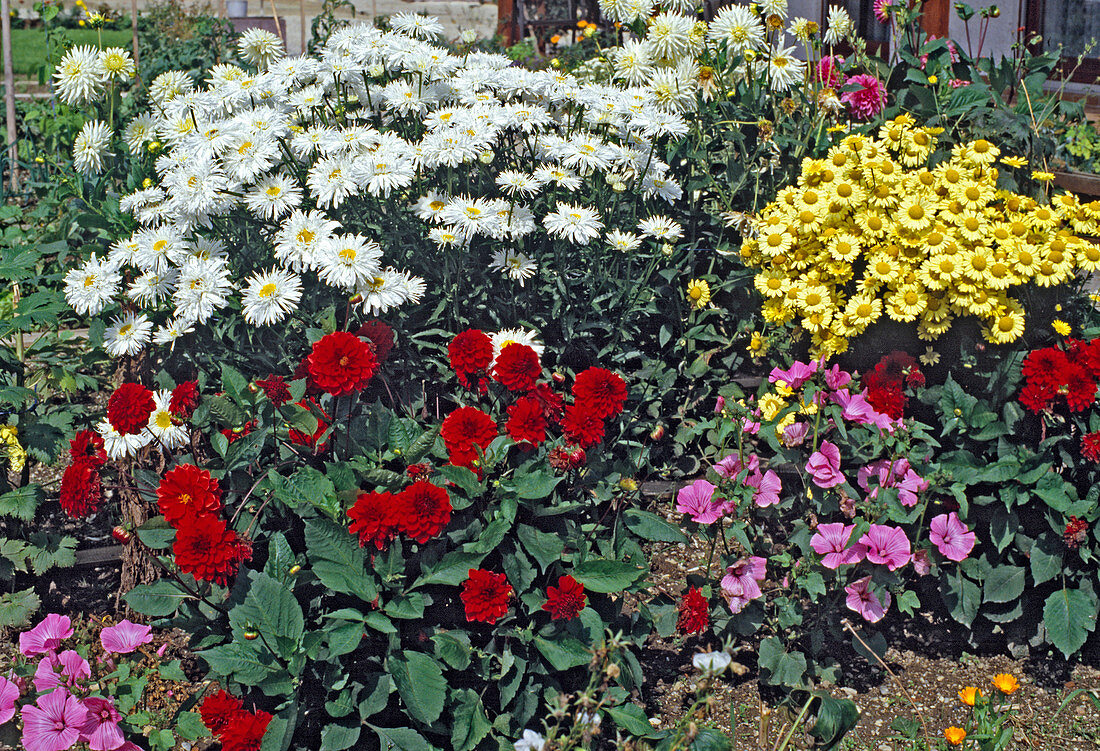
(669, 36)
(563, 178)
(173, 330)
(471, 216)
(169, 85)
(79, 77)
(139, 132)
(662, 187)
(504, 337)
(577, 224)
(445, 237)
(674, 88)
(739, 28)
(346, 261)
(773, 7)
(784, 69)
(428, 208)
(840, 25)
(165, 428)
(297, 241)
(89, 288)
(127, 335)
(633, 63)
(273, 197)
(656, 123)
(260, 47)
(530, 741)
(416, 25)
(204, 286)
(139, 199)
(91, 147)
(330, 181)
(711, 662)
(116, 63)
(120, 446)
(800, 29)
(624, 242)
(149, 288)
(514, 182)
(157, 248)
(661, 228)
(383, 290)
(687, 7)
(513, 264)
(271, 296)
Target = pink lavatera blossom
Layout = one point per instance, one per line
(697, 501)
(862, 600)
(730, 466)
(741, 585)
(100, 729)
(824, 466)
(794, 376)
(54, 722)
(9, 692)
(767, 489)
(831, 543)
(46, 636)
(125, 637)
(65, 669)
(951, 537)
(887, 546)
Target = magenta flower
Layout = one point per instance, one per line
(739, 585)
(887, 546)
(768, 488)
(46, 636)
(752, 427)
(882, 10)
(951, 537)
(795, 433)
(866, 101)
(836, 378)
(794, 376)
(73, 668)
(697, 501)
(831, 542)
(824, 466)
(862, 600)
(730, 466)
(909, 487)
(9, 692)
(125, 637)
(829, 74)
(100, 729)
(53, 724)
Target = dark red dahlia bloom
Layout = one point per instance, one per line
(341, 363)
(526, 421)
(694, 613)
(553, 406)
(88, 444)
(884, 395)
(581, 426)
(463, 430)
(245, 732)
(185, 397)
(561, 459)
(129, 408)
(81, 487)
(517, 367)
(486, 595)
(379, 336)
(422, 510)
(1037, 397)
(899, 367)
(1090, 446)
(603, 391)
(470, 352)
(208, 550)
(565, 601)
(373, 518)
(187, 491)
(1075, 533)
(275, 389)
(1080, 388)
(1044, 367)
(421, 471)
(218, 710)
(1089, 356)
(305, 439)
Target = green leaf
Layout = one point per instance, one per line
(16, 608)
(632, 719)
(309, 486)
(400, 739)
(22, 502)
(538, 484)
(1046, 559)
(419, 681)
(563, 653)
(470, 721)
(270, 608)
(835, 717)
(544, 547)
(337, 560)
(607, 576)
(453, 647)
(464, 479)
(962, 598)
(452, 569)
(1004, 584)
(190, 727)
(339, 737)
(156, 533)
(782, 668)
(651, 527)
(1069, 616)
(158, 599)
(240, 661)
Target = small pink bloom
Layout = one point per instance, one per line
(909, 487)
(862, 600)
(921, 564)
(831, 542)
(73, 668)
(46, 636)
(882, 10)
(768, 488)
(836, 378)
(162, 649)
(752, 427)
(697, 500)
(824, 466)
(9, 692)
(794, 376)
(53, 724)
(868, 100)
(951, 537)
(957, 83)
(887, 546)
(124, 637)
(100, 729)
(739, 585)
(731, 466)
(719, 405)
(829, 74)
(795, 433)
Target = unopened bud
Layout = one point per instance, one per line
(612, 670)
(356, 298)
(657, 433)
(559, 378)
(252, 387)
(251, 635)
(294, 569)
(121, 534)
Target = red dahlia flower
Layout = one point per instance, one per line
(886, 396)
(275, 389)
(517, 367)
(694, 613)
(186, 491)
(470, 352)
(88, 444)
(380, 338)
(1037, 396)
(81, 488)
(245, 732)
(565, 601)
(553, 406)
(1075, 533)
(421, 471)
(603, 391)
(581, 426)
(1044, 367)
(464, 429)
(208, 550)
(1080, 387)
(129, 408)
(373, 518)
(1090, 446)
(218, 710)
(341, 363)
(526, 421)
(486, 595)
(422, 510)
(185, 397)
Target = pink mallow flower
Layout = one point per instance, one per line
(767, 488)
(739, 585)
(831, 542)
(910, 486)
(72, 666)
(794, 376)
(697, 501)
(795, 433)
(951, 537)
(887, 546)
(125, 637)
(53, 724)
(868, 99)
(100, 729)
(824, 466)
(46, 636)
(862, 600)
(836, 378)
(9, 692)
(730, 466)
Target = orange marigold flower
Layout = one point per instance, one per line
(969, 695)
(954, 735)
(1006, 683)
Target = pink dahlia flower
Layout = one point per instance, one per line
(868, 100)
(829, 74)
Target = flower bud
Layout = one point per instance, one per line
(251, 635)
(577, 457)
(559, 378)
(121, 534)
(629, 484)
(657, 433)
(294, 569)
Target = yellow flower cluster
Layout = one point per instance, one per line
(872, 229)
(9, 445)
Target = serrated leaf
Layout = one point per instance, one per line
(781, 667)
(452, 569)
(1069, 616)
(337, 560)
(16, 608)
(470, 721)
(420, 683)
(22, 502)
(453, 647)
(270, 608)
(158, 599)
(1004, 584)
(607, 576)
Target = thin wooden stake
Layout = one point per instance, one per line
(9, 93)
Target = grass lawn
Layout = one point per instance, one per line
(28, 46)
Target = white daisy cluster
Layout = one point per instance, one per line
(306, 150)
(84, 72)
(164, 430)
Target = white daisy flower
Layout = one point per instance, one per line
(428, 207)
(563, 178)
(577, 224)
(773, 7)
(203, 287)
(260, 47)
(138, 132)
(173, 330)
(739, 28)
(120, 446)
(168, 85)
(416, 25)
(91, 147)
(89, 288)
(445, 237)
(297, 241)
(661, 228)
(116, 63)
(164, 427)
(514, 182)
(330, 181)
(529, 741)
(624, 242)
(273, 197)
(632, 61)
(840, 25)
(669, 36)
(346, 261)
(784, 69)
(150, 288)
(514, 265)
(382, 291)
(271, 296)
(79, 77)
(127, 334)
(711, 662)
